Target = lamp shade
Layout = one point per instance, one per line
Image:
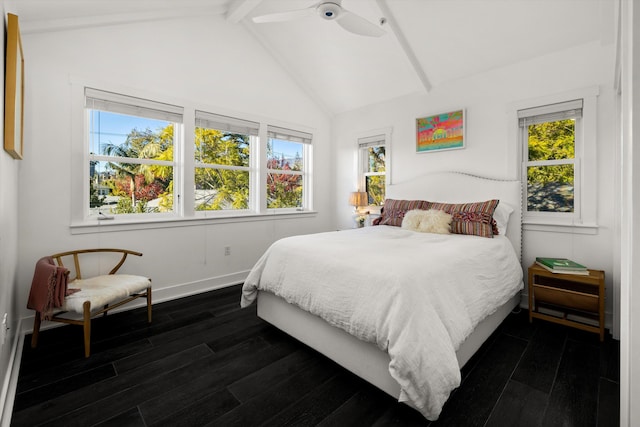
(358, 198)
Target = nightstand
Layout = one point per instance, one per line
(567, 294)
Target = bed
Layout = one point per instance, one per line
(326, 289)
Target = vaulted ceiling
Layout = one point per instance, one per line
(426, 42)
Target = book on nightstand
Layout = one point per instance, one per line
(562, 266)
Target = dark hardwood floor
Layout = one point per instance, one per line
(204, 361)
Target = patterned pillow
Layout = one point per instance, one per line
(394, 210)
(471, 218)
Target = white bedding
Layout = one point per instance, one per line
(416, 295)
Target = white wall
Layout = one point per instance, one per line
(8, 250)
(203, 61)
(491, 143)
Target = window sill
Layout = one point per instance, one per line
(559, 227)
(105, 226)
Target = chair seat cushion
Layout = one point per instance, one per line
(103, 290)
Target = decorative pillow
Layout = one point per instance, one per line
(470, 218)
(430, 221)
(501, 216)
(394, 210)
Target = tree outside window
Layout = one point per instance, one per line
(133, 170)
(131, 164)
(550, 166)
(285, 165)
(288, 169)
(551, 134)
(375, 175)
(372, 158)
(222, 170)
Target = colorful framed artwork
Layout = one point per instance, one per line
(14, 90)
(440, 132)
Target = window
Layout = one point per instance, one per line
(139, 167)
(372, 160)
(557, 160)
(144, 162)
(131, 146)
(223, 173)
(551, 136)
(288, 153)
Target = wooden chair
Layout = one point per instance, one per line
(97, 294)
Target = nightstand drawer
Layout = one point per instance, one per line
(566, 298)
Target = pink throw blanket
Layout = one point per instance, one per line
(49, 287)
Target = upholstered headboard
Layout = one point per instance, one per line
(458, 187)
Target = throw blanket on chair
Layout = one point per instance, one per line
(49, 287)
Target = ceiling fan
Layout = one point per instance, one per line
(331, 11)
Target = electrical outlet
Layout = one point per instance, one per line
(227, 250)
(3, 329)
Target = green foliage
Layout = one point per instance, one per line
(145, 144)
(125, 206)
(376, 159)
(284, 191)
(94, 199)
(219, 185)
(551, 141)
(215, 147)
(219, 188)
(550, 187)
(165, 203)
(375, 184)
(375, 189)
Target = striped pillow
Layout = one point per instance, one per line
(470, 218)
(394, 210)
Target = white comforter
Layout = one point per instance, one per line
(416, 295)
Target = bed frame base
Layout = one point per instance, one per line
(364, 359)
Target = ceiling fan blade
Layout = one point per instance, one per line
(285, 16)
(358, 25)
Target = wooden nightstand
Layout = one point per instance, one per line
(581, 295)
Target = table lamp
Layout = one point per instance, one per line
(357, 199)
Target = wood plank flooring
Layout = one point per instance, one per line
(205, 362)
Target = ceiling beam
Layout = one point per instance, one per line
(404, 44)
(238, 9)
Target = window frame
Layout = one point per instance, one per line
(364, 141)
(561, 111)
(306, 140)
(583, 220)
(184, 213)
(252, 129)
(118, 103)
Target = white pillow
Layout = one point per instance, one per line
(431, 221)
(501, 215)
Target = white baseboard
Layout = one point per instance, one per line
(10, 380)
(186, 289)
